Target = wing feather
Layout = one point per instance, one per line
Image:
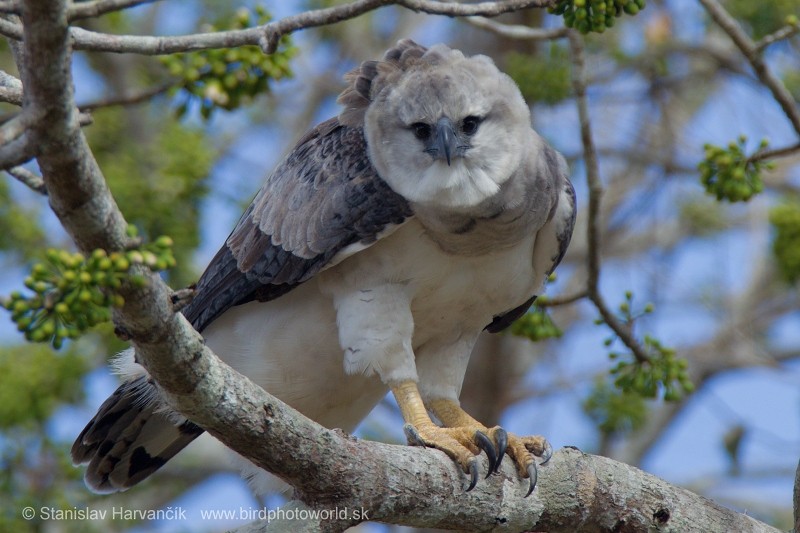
(324, 197)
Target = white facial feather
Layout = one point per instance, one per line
(446, 84)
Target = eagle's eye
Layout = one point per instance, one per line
(470, 125)
(421, 130)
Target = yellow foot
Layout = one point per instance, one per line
(463, 437)
(462, 444)
(520, 449)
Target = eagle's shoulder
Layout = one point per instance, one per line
(324, 197)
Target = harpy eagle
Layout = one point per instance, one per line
(373, 256)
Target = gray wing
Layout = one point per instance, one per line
(324, 197)
(554, 236)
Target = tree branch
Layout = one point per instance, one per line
(127, 99)
(83, 10)
(752, 52)
(78, 192)
(517, 31)
(595, 194)
(267, 36)
(17, 152)
(787, 32)
(10, 89)
(29, 179)
(776, 152)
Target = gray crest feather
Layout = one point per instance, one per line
(369, 79)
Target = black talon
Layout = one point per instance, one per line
(485, 444)
(502, 443)
(412, 436)
(473, 474)
(533, 475)
(547, 453)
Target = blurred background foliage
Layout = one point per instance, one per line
(184, 140)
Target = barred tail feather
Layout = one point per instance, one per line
(131, 436)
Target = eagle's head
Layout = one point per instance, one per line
(447, 130)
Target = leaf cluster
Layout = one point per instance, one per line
(729, 173)
(229, 77)
(613, 410)
(72, 293)
(536, 325)
(594, 15)
(660, 370)
(541, 78)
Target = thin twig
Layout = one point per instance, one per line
(10, 96)
(17, 152)
(267, 36)
(10, 88)
(776, 152)
(96, 8)
(517, 31)
(730, 26)
(10, 29)
(787, 32)
(29, 179)
(622, 330)
(14, 128)
(562, 300)
(127, 100)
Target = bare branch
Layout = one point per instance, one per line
(267, 36)
(79, 195)
(751, 51)
(29, 179)
(10, 29)
(595, 194)
(96, 8)
(10, 7)
(15, 128)
(517, 31)
(787, 32)
(775, 153)
(10, 89)
(562, 300)
(126, 100)
(17, 152)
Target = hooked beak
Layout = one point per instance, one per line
(445, 138)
